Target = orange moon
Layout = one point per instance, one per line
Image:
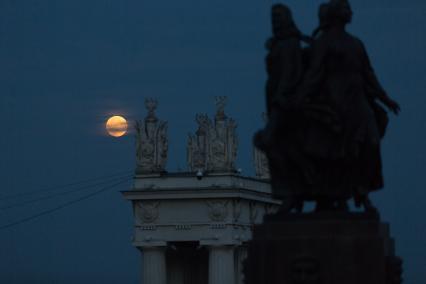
(116, 126)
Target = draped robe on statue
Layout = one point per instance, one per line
(335, 121)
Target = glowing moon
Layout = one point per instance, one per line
(116, 126)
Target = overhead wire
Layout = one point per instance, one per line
(55, 188)
(57, 194)
(62, 206)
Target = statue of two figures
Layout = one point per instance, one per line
(213, 148)
(151, 142)
(325, 111)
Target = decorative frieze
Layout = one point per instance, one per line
(148, 228)
(218, 226)
(181, 227)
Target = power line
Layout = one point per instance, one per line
(47, 189)
(61, 193)
(64, 205)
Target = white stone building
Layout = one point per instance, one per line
(193, 227)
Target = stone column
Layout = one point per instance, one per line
(154, 265)
(221, 265)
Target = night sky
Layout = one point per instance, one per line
(66, 66)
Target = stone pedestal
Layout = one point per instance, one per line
(321, 248)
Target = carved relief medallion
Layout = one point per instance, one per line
(217, 210)
(147, 211)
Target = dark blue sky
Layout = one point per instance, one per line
(66, 65)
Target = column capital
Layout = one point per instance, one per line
(150, 244)
(216, 243)
(145, 248)
(221, 246)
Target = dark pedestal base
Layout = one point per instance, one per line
(321, 248)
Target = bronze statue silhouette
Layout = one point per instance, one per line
(325, 115)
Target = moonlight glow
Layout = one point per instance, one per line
(116, 126)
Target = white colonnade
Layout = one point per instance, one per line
(154, 265)
(221, 265)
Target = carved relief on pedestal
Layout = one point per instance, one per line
(217, 210)
(214, 146)
(261, 161)
(147, 211)
(151, 141)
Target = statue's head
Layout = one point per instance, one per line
(340, 10)
(282, 21)
(323, 14)
(323, 17)
(281, 14)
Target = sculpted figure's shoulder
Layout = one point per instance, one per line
(356, 41)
